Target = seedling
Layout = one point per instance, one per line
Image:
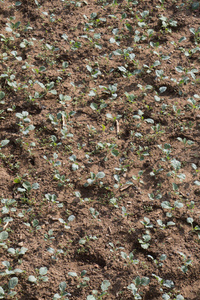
(63, 293)
(145, 241)
(136, 286)
(42, 271)
(186, 262)
(104, 288)
(94, 179)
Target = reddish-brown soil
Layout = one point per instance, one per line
(139, 122)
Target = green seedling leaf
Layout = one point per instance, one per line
(124, 255)
(195, 5)
(165, 297)
(83, 273)
(100, 175)
(105, 285)
(132, 288)
(56, 296)
(109, 116)
(62, 286)
(168, 283)
(175, 186)
(163, 256)
(157, 99)
(178, 204)
(162, 89)
(137, 280)
(11, 251)
(64, 36)
(175, 164)
(35, 223)
(43, 271)
(94, 106)
(170, 223)
(73, 274)
(197, 182)
(13, 282)
(115, 152)
(190, 220)
(50, 250)
(166, 204)
(71, 218)
(32, 279)
(2, 294)
(4, 143)
(129, 27)
(3, 235)
(35, 186)
(91, 297)
(75, 167)
(93, 15)
(2, 95)
(145, 281)
(183, 38)
(27, 185)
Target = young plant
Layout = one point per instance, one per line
(104, 291)
(94, 179)
(63, 293)
(41, 276)
(136, 286)
(186, 262)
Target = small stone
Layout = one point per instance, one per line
(20, 244)
(96, 266)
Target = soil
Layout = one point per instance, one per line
(67, 224)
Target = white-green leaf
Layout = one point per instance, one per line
(123, 255)
(145, 281)
(43, 271)
(11, 251)
(91, 297)
(13, 282)
(100, 175)
(94, 106)
(62, 286)
(75, 167)
(168, 283)
(115, 152)
(56, 296)
(64, 36)
(190, 220)
(2, 95)
(4, 143)
(71, 218)
(2, 293)
(105, 285)
(73, 274)
(197, 182)
(133, 288)
(3, 235)
(165, 297)
(32, 279)
(175, 164)
(162, 89)
(35, 186)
